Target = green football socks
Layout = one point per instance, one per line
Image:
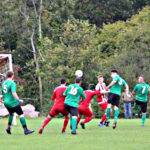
(23, 121)
(135, 109)
(70, 120)
(116, 114)
(74, 124)
(10, 119)
(143, 118)
(108, 113)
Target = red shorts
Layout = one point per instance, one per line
(103, 106)
(56, 109)
(85, 110)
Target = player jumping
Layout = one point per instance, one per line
(58, 106)
(114, 95)
(102, 99)
(84, 107)
(142, 89)
(73, 94)
(11, 102)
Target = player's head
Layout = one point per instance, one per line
(10, 74)
(78, 80)
(100, 79)
(63, 81)
(114, 73)
(91, 87)
(141, 79)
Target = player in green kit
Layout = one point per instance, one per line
(114, 96)
(73, 94)
(11, 102)
(141, 90)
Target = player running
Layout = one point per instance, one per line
(73, 94)
(141, 90)
(11, 102)
(102, 99)
(84, 107)
(114, 95)
(58, 106)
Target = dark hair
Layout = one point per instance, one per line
(9, 74)
(91, 87)
(63, 81)
(78, 80)
(115, 71)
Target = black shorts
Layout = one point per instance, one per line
(143, 105)
(113, 99)
(16, 109)
(72, 110)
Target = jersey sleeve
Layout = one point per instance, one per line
(124, 83)
(96, 93)
(135, 89)
(65, 93)
(53, 95)
(13, 87)
(82, 94)
(115, 78)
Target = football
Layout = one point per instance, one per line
(79, 73)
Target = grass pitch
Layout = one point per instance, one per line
(128, 135)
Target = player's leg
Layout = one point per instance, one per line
(144, 110)
(10, 119)
(108, 111)
(66, 120)
(52, 113)
(74, 114)
(136, 109)
(130, 110)
(103, 119)
(81, 112)
(78, 119)
(88, 117)
(19, 111)
(67, 107)
(116, 110)
(125, 105)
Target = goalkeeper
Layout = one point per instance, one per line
(11, 102)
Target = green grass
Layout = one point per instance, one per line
(129, 135)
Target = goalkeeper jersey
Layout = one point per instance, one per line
(8, 87)
(73, 94)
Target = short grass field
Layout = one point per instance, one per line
(128, 135)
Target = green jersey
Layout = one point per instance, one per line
(8, 87)
(73, 94)
(142, 90)
(117, 87)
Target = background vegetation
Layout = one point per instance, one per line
(51, 39)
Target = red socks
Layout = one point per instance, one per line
(87, 120)
(46, 121)
(65, 124)
(103, 118)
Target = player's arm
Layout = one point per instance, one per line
(53, 96)
(14, 93)
(111, 84)
(134, 91)
(83, 95)
(127, 90)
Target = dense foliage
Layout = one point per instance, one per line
(51, 39)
